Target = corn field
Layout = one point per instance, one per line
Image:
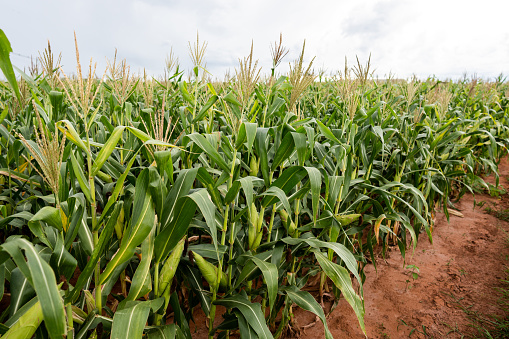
(129, 202)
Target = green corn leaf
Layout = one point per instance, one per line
(315, 177)
(301, 146)
(74, 226)
(4, 114)
(21, 291)
(107, 149)
(142, 281)
(129, 322)
(185, 93)
(247, 132)
(270, 273)
(249, 268)
(194, 278)
(92, 321)
(327, 132)
(162, 332)
(208, 250)
(158, 190)
(85, 235)
(206, 147)
(171, 234)
(231, 99)
(341, 278)
(280, 194)
(104, 239)
(65, 126)
(288, 180)
(261, 151)
(252, 312)
(164, 162)
(46, 288)
(246, 331)
(284, 151)
(184, 212)
(180, 317)
(5, 64)
(275, 106)
(203, 111)
(80, 176)
(49, 215)
(11, 246)
(142, 222)
(62, 261)
(118, 188)
(335, 184)
(181, 188)
(208, 210)
(306, 301)
(144, 137)
(210, 184)
(338, 248)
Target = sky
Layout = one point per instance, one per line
(442, 38)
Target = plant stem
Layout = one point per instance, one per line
(156, 279)
(212, 313)
(70, 328)
(271, 223)
(95, 231)
(97, 275)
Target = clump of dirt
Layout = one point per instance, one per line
(457, 280)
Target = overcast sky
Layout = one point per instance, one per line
(435, 37)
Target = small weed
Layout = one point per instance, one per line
(492, 190)
(496, 191)
(487, 326)
(415, 275)
(415, 271)
(480, 203)
(381, 332)
(499, 214)
(454, 329)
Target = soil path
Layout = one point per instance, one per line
(459, 275)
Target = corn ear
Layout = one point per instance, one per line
(27, 324)
(253, 225)
(347, 218)
(119, 225)
(257, 241)
(287, 222)
(253, 166)
(209, 272)
(170, 267)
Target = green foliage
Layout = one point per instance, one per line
(189, 193)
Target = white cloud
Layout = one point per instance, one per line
(444, 38)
